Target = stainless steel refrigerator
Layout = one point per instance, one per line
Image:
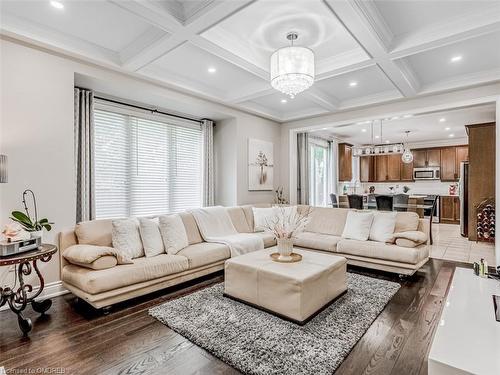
(464, 198)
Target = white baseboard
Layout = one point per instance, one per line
(53, 289)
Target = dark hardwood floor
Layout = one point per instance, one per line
(75, 339)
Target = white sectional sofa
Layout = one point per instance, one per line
(103, 282)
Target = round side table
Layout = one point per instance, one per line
(18, 296)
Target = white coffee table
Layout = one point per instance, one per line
(293, 291)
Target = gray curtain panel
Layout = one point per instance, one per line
(303, 168)
(84, 154)
(208, 160)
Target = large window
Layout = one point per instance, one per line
(145, 165)
(319, 173)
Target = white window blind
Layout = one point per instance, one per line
(145, 166)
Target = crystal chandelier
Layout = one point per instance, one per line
(292, 68)
(407, 156)
(378, 149)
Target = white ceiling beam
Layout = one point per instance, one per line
(319, 97)
(179, 33)
(484, 21)
(353, 16)
(244, 97)
(224, 54)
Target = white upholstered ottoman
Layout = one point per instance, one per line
(293, 291)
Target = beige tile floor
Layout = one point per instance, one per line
(450, 245)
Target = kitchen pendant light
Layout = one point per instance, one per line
(407, 156)
(292, 68)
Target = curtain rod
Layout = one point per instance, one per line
(153, 110)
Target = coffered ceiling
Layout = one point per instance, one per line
(366, 51)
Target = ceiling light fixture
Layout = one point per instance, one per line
(284, 100)
(57, 4)
(212, 70)
(447, 128)
(456, 58)
(395, 118)
(451, 135)
(353, 84)
(442, 119)
(371, 149)
(292, 68)
(407, 156)
(407, 116)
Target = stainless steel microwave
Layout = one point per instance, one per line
(427, 173)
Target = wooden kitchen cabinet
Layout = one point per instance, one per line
(449, 210)
(406, 171)
(426, 158)
(387, 168)
(366, 168)
(433, 157)
(461, 154)
(448, 164)
(345, 162)
(419, 158)
(393, 167)
(451, 157)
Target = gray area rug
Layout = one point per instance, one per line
(256, 342)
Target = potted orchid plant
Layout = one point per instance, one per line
(31, 224)
(285, 225)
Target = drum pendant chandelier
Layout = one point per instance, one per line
(292, 68)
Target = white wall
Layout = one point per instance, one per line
(36, 131)
(497, 177)
(226, 163)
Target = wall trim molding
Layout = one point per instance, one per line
(51, 290)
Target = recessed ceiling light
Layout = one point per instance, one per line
(406, 116)
(447, 128)
(363, 130)
(456, 58)
(387, 141)
(212, 70)
(451, 135)
(377, 136)
(284, 100)
(57, 4)
(324, 128)
(353, 84)
(394, 118)
(442, 119)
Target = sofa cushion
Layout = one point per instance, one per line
(410, 238)
(406, 221)
(247, 209)
(262, 217)
(327, 220)
(126, 237)
(94, 232)
(143, 269)
(317, 241)
(268, 238)
(151, 237)
(89, 254)
(379, 250)
(102, 263)
(173, 233)
(192, 231)
(383, 226)
(204, 253)
(239, 219)
(357, 226)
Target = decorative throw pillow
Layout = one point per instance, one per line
(261, 216)
(173, 233)
(358, 225)
(126, 237)
(383, 226)
(151, 237)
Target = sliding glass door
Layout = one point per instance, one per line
(319, 173)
